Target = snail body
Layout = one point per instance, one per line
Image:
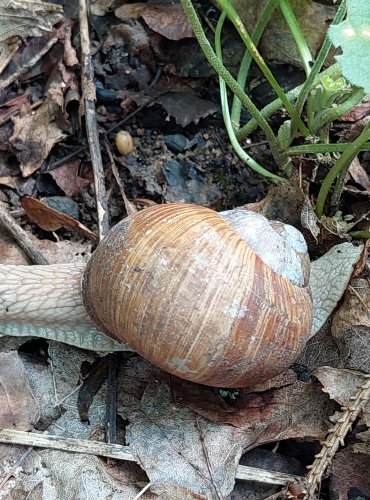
(218, 299)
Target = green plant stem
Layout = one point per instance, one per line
(333, 113)
(338, 189)
(341, 164)
(263, 20)
(237, 22)
(323, 148)
(226, 76)
(312, 78)
(334, 71)
(360, 234)
(226, 114)
(300, 40)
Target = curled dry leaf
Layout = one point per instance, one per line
(50, 219)
(19, 408)
(309, 219)
(329, 279)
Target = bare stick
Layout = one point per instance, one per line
(130, 207)
(120, 452)
(20, 235)
(89, 96)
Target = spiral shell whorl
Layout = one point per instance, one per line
(184, 290)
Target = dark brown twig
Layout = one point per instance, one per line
(22, 238)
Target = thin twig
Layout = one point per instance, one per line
(89, 97)
(137, 110)
(22, 238)
(141, 493)
(111, 407)
(120, 452)
(130, 207)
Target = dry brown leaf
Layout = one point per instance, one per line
(62, 474)
(186, 107)
(19, 408)
(172, 442)
(70, 56)
(351, 326)
(179, 449)
(342, 385)
(9, 181)
(166, 19)
(35, 135)
(50, 219)
(67, 178)
(349, 475)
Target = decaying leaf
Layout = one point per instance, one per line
(27, 18)
(35, 135)
(359, 174)
(19, 408)
(166, 19)
(329, 278)
(342, 385)
(177, 447)
(68, 179)
(186, 107)
(309, 219)
(349, 475)
(55, 252)
(351, 326)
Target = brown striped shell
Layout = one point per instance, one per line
(183, 286)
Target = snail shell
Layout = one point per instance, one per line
(218, 299)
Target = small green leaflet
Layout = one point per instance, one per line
(353, 35)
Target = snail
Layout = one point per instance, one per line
(220, 299)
